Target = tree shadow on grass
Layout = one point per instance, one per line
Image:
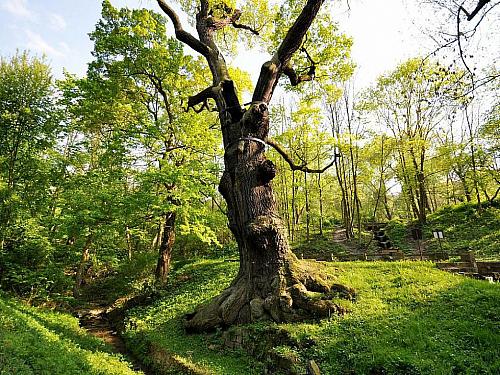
(189, 285)
(61, 328)
(51, 349)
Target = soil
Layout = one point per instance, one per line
(93, 318)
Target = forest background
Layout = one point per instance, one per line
(108, 167)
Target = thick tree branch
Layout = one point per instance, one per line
(237, 25)
(295, 78)
(180, 33)
(293, 39)
(288, 159)
(232, 18)
(272, 70)
(234, 21)
(480, 5)
(202, 98)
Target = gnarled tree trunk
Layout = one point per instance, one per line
(271, 282)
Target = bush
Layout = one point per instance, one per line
(26, 265)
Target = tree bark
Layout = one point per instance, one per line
(165, 249)
(270, 283)
(82, 267)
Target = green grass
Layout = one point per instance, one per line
(467, 228)
(464, 227)
(409, 318)
(161, 323)
(319, 246)
(42, 342)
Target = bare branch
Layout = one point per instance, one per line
(459, 42)
(480, 5)
(288, 159)
(180, 33)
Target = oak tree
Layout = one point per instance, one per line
(271, 283)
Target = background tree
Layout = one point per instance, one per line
(29, 126)
(137, 74)
(412, 101)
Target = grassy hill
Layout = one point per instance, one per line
(464, 227)
(42, 342)
(409, 318)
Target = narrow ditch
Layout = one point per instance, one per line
(95, 321)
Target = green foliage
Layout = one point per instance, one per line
(29, 124)
(27, 262)
(127, 278)
(37, 341)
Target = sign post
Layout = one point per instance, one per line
(417, 236)
(439, 235)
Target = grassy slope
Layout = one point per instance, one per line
(37, 341)
(409, 319)
(464, 228)
(160, 324)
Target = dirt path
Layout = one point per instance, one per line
(94, 320)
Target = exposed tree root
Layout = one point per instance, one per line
(299, 294)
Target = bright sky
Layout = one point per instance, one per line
(382, 30)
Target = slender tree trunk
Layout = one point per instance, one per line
(82, 267)
(468, 196)
(287, 208)
(165, 249)
(473, 157)
(407, 185)
(308, 208)
(157, 236)
(388, 213)
(448, 189)
(320, 190)
(293, 206)
(128, 239)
